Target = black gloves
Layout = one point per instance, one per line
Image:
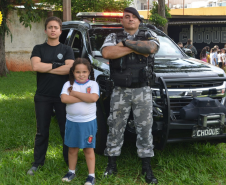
(57, 64)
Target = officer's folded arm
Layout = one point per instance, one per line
(42, 67)
(139, 47)
(39, 66)
(113, 52)
(143, 47)
(64, 69)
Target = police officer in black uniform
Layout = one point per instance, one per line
(52, 61)
(131, 53)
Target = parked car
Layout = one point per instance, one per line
(181, 84)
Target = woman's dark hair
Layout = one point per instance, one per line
(207, 48)
(203, 53)
(72, 69)
(53, 18)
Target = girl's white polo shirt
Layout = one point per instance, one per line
(81, 111)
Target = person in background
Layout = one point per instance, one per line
(212, 56)
(208, 53)
(207, 50)
(203, 55)
(52, 62)
(180, 44)
(215, 55)
(216, 46)
(80, 95)
(220, 60)
(191, 47)
(223, 55)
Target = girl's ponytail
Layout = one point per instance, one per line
(92, 73)
(71, 77)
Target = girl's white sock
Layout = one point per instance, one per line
(72, 171)
(92, 175)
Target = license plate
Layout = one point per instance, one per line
(206, 132)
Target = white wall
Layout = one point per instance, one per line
(18, 51)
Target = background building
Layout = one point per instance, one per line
(175, 4)
(204, 21)
(142, 4)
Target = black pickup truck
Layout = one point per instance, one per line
(188, 94)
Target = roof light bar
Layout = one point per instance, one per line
(113, 14)
(99, 14)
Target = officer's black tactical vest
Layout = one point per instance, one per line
(130, 69)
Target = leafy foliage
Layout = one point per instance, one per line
(30, 13)
(90, 5)
(156, 18)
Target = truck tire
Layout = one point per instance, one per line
(102, 130)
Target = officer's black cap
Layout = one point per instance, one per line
(133, 11)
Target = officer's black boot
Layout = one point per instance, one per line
(146, 169)
(111, 167)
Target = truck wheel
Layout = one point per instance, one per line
(102, 130)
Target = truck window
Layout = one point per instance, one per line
(63, 36)
(77, 44)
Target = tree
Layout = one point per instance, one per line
(90, 5)
(159, 14)
(26, 17)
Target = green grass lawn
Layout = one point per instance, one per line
(182, 163)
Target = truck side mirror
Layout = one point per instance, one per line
(187, 51)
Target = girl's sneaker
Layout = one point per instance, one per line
(68, 177)
(90, 180)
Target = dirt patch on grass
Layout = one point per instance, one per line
(15, 149)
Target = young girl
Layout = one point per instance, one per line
(80, 95)
(203, 55)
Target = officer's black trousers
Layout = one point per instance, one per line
(44, 109)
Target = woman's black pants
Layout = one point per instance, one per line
(44, 109)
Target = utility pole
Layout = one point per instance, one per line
(66, 10)
(183, 7)
(148, 10)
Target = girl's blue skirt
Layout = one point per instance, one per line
(80, 134)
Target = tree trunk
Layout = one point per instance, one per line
(4, 9)
(161, 12)
(161, 8)
(165, 28)
(3, 69)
